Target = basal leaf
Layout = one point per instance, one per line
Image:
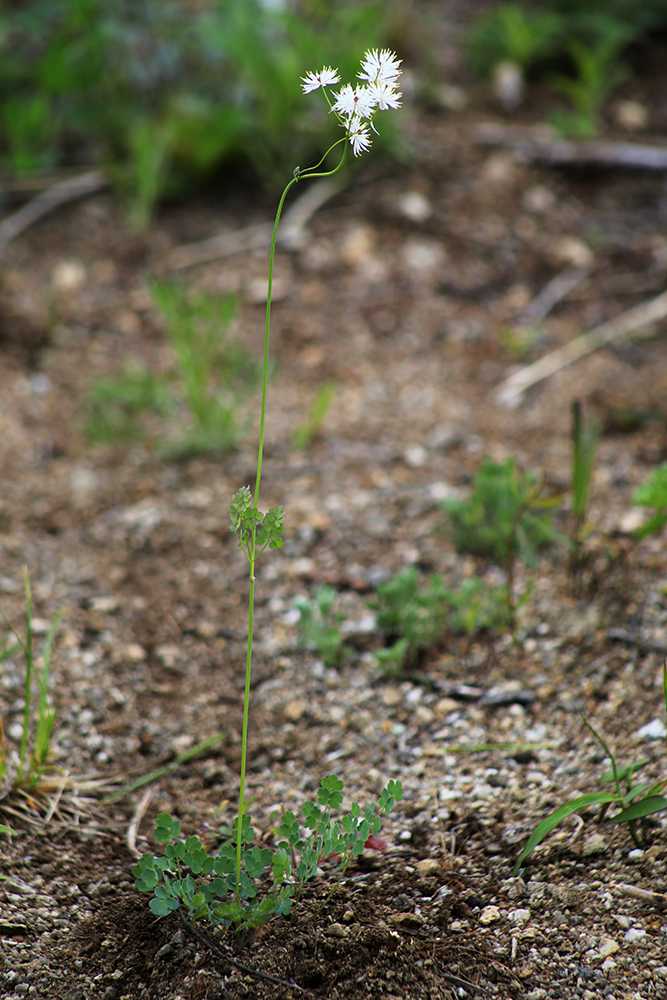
(646, 807)
(557, 816)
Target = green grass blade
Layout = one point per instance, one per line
(557, 816)
(159, 772)
(647, 807)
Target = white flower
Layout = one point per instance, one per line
(327, 77)
(380, 67)
(385, 95)
(358, 134)
(355, 101)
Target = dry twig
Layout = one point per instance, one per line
(47, 201)
(133, 828)
(540, 144)
(643, 895)
(552, 294)
(510, 391)
(259, 236)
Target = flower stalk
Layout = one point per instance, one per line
(355, 109)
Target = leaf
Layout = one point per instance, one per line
(163, 907)
(647, 807)
(330, 792)
(557, 816)
(623, 772)
(166, 828)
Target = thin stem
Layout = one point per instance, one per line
(27, 653)
(298, 174)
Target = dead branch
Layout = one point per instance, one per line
(290, 232)
(644, 895)
(510, 391)
(47, 201)
(541, 145)
(133, 828)
(552, 294)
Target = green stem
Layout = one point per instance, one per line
(308, 172)
(27, 652)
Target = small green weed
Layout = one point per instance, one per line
(505, 518)
(319, 625)
(634, 802)
(116, 405)
(509, 33)
(213, 378)
(214, 374)
(312, 426)
(205, 885)
(35, 743)
(653, 493)
(598, 72)
(411, 615)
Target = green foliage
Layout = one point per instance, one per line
(163, 93)
(653, 493)
(505, 516)
(252, 528)
(312, 426)
(509, 33)
(635, 801)
(213, 378)
(588, 40)
(205, 887)
(598, 72)
(116, 405)
(31, 766)
(319, 625)
(214, 373)
(412, 614)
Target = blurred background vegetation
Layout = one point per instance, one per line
(165, 92)
(162, 92)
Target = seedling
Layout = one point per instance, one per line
(206, 886)
(319, 625)
(238, 865)
(635, 801)
(653, 493)
(32, 760)
(117, 405)
(510, 34)
(505, 518)
(598, 73)
(410, 615)
(312, 426)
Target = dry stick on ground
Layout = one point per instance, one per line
(552, 294)
(47, 201)
(510, 391)
(643, 895)
(259, 236)
(541, 145)
(133, 828)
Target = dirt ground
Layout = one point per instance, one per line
(407, 291)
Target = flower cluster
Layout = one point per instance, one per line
(356, 107)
